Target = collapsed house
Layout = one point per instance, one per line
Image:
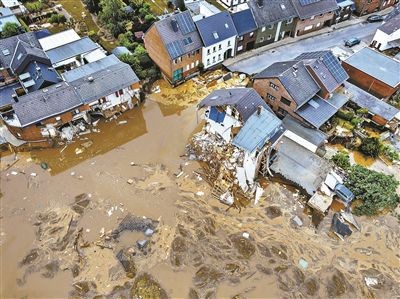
(239, 130)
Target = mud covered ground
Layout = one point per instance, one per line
(129, 217)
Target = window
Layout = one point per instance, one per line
(121, 92)
(192, 65)
(241, 37)
(220, 47)
(229, 43)
(269, 37)
(213, 59)
(208, 61)
(285, 101)
(116, 93)
(215, 34)
(197, 62)
(289, 21)
(261, 39)
(271, 97)
(187, 41)
(281, 111)
(175, 61)
(308, 27)
(187, 67)
(214, 49)
(262, 29)
(251, 34)
(271, 26)
(274, 86)
(240, 48)
(177, 74)
(198, 51)
(319, 24)
(219, 56)
(312, 17)
(208, 51)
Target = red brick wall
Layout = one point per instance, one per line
(364, 7)
(368, 83)
(321, 19)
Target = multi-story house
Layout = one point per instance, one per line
(246, 28)
(309, 88)
(174, 44)
(275, 20)
(313, 14)
(364, 7)
(387, 35)
(218, 34)
(344, 11)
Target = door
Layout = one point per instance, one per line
(228, 54)
(250, 45)
(177, 75)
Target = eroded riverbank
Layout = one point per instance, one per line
(197, 249)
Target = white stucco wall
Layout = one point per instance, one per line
(384, 39)
(225, 45)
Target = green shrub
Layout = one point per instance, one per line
(342, 160)
(371, 147)
(57, 19)
(345, 114)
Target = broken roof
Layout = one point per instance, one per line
(216, 28)
(244, 21)
(245, 100)
(179, 34)
(92, 86)
(72, 49)
(261, 126)
(308, 8)
(45, 103)
(326, 67)
(314, 136)
(376, 65)
(300, 166)
(271, 11)
(293, 75)
(374, 105)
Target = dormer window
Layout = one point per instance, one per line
(215, 34)
(226, 25)
(283, 7)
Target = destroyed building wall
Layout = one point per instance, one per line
(221, 121)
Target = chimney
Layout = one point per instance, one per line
(174, 25)
(259, 110)
(260, 3)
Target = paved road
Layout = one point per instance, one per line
(324, 41)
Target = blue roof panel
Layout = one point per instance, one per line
(257, 130)
(244, 21)
(78, 47)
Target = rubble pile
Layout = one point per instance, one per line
(219, 168)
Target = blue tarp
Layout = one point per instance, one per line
(216, 115)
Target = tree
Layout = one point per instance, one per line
(112, 16)
(342, 160)
(10, 29)
(376, 190)
(371, 147)
(92, 6)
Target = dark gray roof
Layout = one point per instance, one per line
(271, 11)
(317, 111)
(6, 93)
(300, 166)
(395, 12)
(391, 24)
(25, 54)
(244, 21)
(8, 46)
(326, 67)
(104, 82)
(117, 51)
(365, 100)
(376, 65)
(216, 28)
(308, 8)
(179, 34)
(90, 68)
(258, 130)
(245, 100)
(313, 136)
(45, 103)
(295, 77)
(72, 49)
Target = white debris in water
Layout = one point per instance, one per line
(200, 193)
(246, 235)
(303, 263)
(88, 230)
(371, 281)
(14, 172)
(133, 164)
(72, 173)
(122, 122)
(33, 174)
(130, 181)
(110, 211)
(102, 231)
(179, 174)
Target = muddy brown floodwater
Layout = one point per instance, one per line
(81, 230)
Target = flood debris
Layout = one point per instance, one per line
(134, 223)
(340, 227)
(126, 258)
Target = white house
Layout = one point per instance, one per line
(218, 34)
(387, 35)
(16, 6)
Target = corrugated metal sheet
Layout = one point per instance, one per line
(257, 130)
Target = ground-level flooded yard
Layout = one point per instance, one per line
(123, 212)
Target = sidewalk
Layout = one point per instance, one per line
(291, 40)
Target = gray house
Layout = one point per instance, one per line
(275, 20)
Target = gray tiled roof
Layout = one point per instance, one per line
(8, 45)
(313, 136)
(24, 54)
(245, 100)
(104, 82)
(300, 166)
(295, 77)
(42, 104)
(6, 93)
(317, 111)
(314, 7)
(326, 67)
(174, 40)
(391, 24)
(244, 21)
(72, 49)
(272, 11)
(376, 65)
(220, 23)
(365, 100)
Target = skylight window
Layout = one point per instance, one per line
(6, 52)
(226, 25)
(215, 34)
(19, 56)
(283, 6)
(187, 41)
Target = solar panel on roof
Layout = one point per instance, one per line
(185, 23)
(307, 2)
(174, 49)
(334, 66)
